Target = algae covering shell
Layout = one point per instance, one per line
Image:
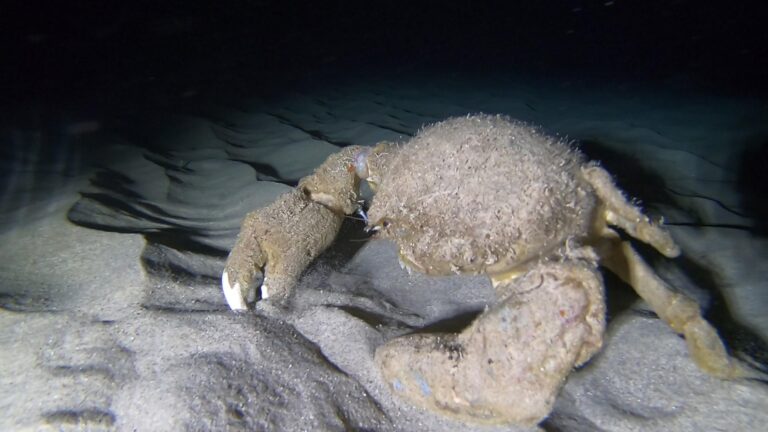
(481, 194)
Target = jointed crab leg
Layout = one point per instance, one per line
(619, 212)
(497, 370)
(677, 310)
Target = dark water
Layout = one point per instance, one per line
(99, 61)
(101, 51)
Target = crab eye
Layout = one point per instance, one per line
(361, 163)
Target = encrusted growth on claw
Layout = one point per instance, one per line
(282, 239)
(333, 184)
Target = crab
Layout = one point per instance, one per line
(492, 196)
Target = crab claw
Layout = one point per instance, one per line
(235, 295)
(239, 288)
(280, 240)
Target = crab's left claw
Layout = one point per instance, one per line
(235, 292)
(278, 241)
(245, 262)
(281, 239)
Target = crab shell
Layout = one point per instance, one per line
(479, 194)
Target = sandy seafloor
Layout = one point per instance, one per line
(112, 318)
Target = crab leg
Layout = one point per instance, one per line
(510, 363)
(677, 310)
(619, 212)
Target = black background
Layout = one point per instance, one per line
(65, 49)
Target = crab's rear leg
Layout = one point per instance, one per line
(680, 312)
(282, 239)
(510, 363)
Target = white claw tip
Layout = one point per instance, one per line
(234, 294)
(264, 291)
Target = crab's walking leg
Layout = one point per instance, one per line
(510, 363)
(677, 310)
(282, 239)
(619, 212)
